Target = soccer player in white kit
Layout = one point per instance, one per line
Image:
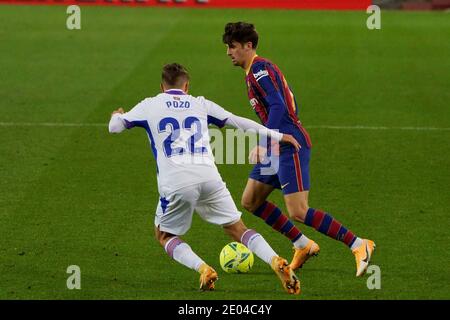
(188, 179)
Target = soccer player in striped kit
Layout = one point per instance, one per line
(274, 103)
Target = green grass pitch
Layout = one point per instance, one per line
(80, 196)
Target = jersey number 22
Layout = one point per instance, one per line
(173, 126)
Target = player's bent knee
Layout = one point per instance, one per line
(161, 239)
(235, 230)
(162, 236)
(157, 234)
(247, 205)
(250, 204)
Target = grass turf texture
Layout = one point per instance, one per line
(79, 196)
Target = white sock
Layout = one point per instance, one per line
(181, 252)
(356, 244)
(258, 245)
(301, 242)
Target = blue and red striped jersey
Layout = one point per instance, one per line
(273, 101)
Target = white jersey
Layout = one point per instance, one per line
(177, 128)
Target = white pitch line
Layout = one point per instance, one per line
(68, 124)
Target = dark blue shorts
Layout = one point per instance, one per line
(292, 175)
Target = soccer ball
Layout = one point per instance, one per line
(236, 258)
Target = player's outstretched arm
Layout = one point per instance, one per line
(116, 124)
(220, 117)
(247, 124)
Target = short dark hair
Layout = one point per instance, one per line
(241, 32)
(174, 75)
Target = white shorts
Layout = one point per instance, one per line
(211, 200)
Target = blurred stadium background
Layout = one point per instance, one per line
(413, 4)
